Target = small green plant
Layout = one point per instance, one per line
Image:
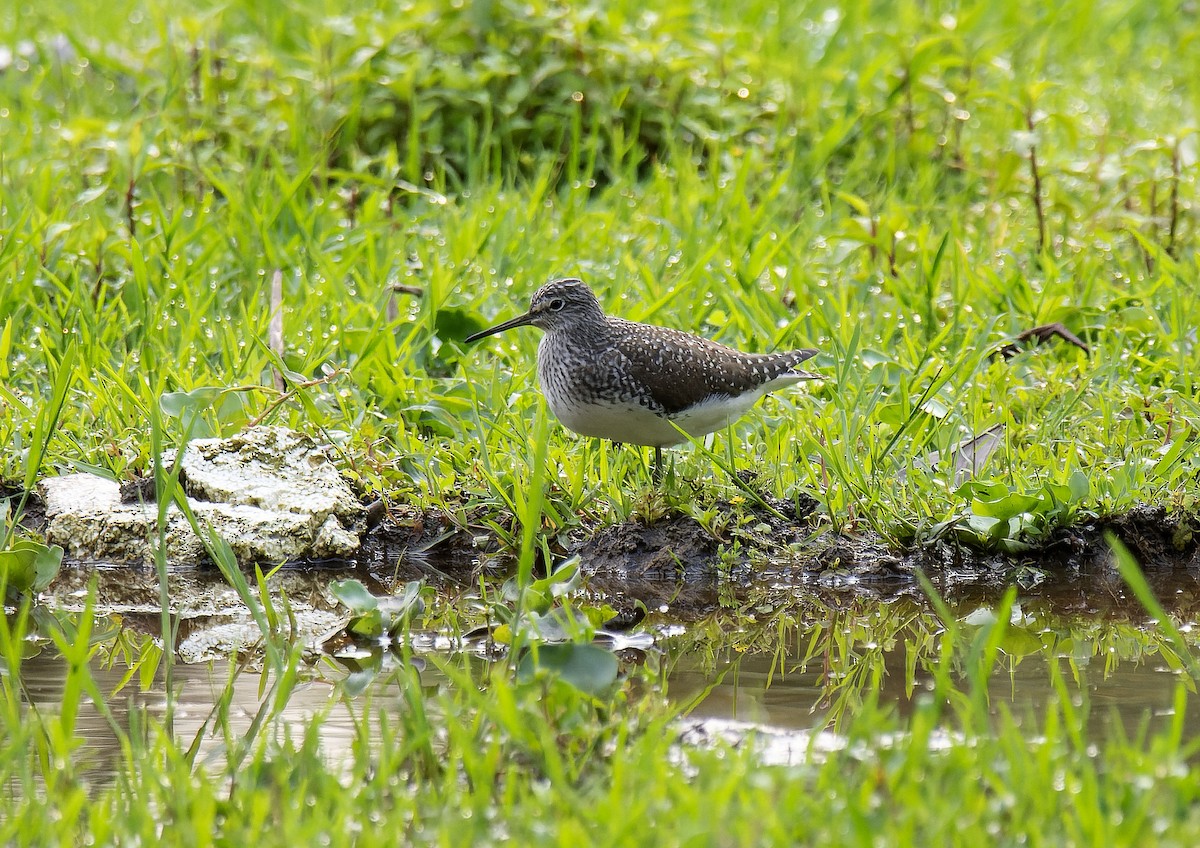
(553, 637)
(999, 518)
(380, 619)
(376, 638)
(453, 92)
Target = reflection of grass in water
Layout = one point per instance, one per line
(438, 757)
(849, 649)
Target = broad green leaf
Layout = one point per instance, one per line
(563, 580)
(1019, 642)
(175, 404)
(1079, 485)
(1057, 493)
(362, 670)
(986, 527)
(369, 625)
(354, 595)
(46, 564)
(30, 566)
(1005, 507)
(400, 609)
(588, 668)
(18, 567)
(455, 324)
(981, 490)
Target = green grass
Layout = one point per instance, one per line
(878, 202)
(460, 751)
(906, 186)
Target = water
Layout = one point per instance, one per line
(809, 659)
(750, 688)
(197, 689)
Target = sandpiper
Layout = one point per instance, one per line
(631, 382)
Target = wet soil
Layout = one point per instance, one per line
(676, 561)
(677, 565)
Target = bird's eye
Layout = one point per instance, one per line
(557, 304)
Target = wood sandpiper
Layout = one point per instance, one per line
(631, 382)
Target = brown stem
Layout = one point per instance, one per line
(957, 158)
(1173, 203)
(352, 202)
(1146, 254)
(1037, 183)
(288, 395)
(99, 268)
(130, 221)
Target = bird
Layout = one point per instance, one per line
(630, 382)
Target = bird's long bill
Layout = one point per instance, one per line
(519, 321)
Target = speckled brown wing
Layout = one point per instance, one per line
(680, 370)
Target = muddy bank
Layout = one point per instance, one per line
(677, 566)
(679, 563)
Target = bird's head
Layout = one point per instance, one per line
(560, 305)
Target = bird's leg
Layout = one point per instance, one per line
(657, 473)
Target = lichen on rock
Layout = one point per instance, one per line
(271, 493)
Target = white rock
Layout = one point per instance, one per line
(272, 494)
(269, 467)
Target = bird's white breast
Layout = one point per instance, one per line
(637, 425)
(619, 411)
(633, 425)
